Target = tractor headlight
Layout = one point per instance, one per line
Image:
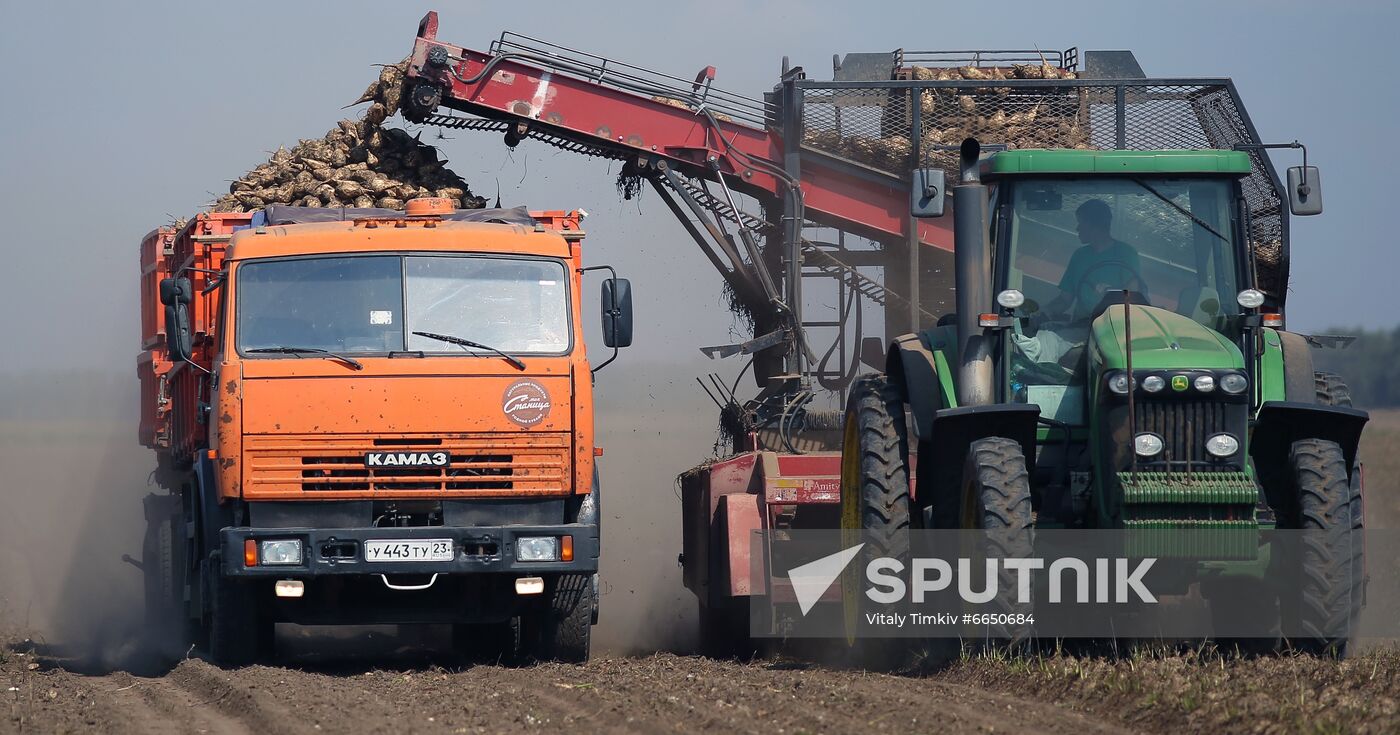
(1153, 383)
(1119, 383)
(1147, 444)
(1011, 298)
(1205, 383)
(280, 551)
(1234, 383)
(1222, 445)
(1250, 298)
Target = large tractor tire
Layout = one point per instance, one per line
(1324, 604)
(1332, 390)
(874, 506)
(997, 499)
(561, 630)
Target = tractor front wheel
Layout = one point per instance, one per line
(997, 500)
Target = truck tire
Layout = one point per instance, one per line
(997, 499)
(1331, 390)
(1323, 607)
(238, 634)
(162, 567)
(561, 630)
(875, 504)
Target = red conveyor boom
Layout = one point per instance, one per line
(582, 107)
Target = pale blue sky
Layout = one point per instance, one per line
(120, 116)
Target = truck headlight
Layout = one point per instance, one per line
(537, 548)
(1222, 445)
(1234, 383)
(1153, 383)
(279, 551)
(1119, 382)
(1147, 444)
(1205, 383)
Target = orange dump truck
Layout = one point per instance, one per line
(372, 417)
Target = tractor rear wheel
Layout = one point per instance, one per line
(1327, 563)
(874, 506)
(997, 499)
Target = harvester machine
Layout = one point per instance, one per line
(1093, 338)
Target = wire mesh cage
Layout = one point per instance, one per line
(922, 120)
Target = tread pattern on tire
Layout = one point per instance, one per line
(1324, 603)
(1001, 491)
(875, 423)
(562, 630)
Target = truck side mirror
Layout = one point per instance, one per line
(173, 290)
(926, 192)
(179, 341)
(1304, 190)
(617, 312)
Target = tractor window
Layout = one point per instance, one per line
(1076, 243)
(1170, 239)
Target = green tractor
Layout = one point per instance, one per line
(1112, 365)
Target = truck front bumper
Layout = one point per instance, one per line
(476, 550)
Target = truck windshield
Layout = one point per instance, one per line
(373, 304)
(1075, 243)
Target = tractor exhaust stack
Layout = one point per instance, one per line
(972, 267)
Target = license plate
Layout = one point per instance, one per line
(433, 549)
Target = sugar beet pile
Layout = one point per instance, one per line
(359, 163)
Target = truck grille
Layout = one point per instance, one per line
(478, 465)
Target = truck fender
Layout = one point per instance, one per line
(910, 365)
(736, 519)
(1297, 368)
(1280, 423)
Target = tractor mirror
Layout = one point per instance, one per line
(617, 312)
(179, 342)
(926, 192)
(1304, 191)
(173, 290)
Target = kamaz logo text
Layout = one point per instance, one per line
(407, 459)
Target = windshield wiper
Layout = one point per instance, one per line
(300, 351)
(512, 359)
(1181, 209)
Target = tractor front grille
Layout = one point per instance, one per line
(1184, 427)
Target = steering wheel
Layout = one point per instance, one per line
(1079, 284)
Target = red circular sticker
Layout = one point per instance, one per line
(526, 402)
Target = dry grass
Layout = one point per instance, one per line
(1204, 691)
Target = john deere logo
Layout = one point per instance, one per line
(1180, 383)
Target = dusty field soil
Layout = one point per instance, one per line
(673, 693)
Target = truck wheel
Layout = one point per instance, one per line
(874, 506)
(1324, 606)
(997, 499)
(1332, 390)
(238, 635)
(560, 631)
(163, 577)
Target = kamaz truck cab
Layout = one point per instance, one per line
(375, 417)
(1111, 365)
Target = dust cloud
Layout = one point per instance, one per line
(72, 476)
